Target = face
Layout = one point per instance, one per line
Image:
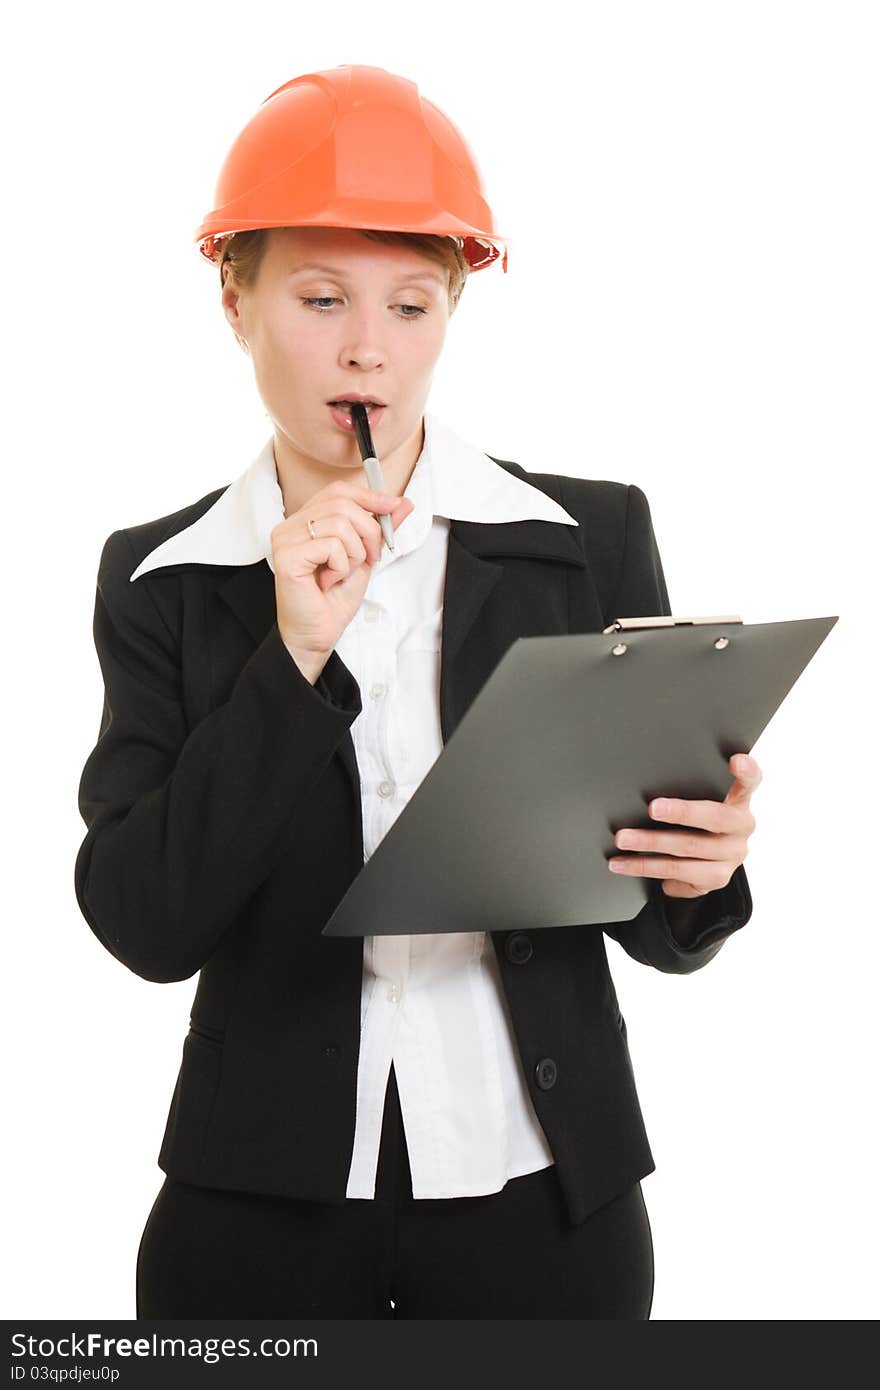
(374, 322)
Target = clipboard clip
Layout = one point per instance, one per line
(662, 620)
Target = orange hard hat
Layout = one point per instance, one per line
(353, 147)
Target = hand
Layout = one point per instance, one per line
(321, 575)
(698, 860)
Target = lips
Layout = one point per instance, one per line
(342, 415)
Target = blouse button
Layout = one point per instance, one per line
(377, 690)
(386, 788)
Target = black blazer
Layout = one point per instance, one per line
(224, 825)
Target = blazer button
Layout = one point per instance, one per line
(518, 948)
(545, 1073)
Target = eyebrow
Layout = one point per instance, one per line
(340, 274)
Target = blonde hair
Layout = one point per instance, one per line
(243, 253)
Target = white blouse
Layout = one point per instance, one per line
(432, 1003)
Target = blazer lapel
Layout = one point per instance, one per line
(491, 598)
(476, 632)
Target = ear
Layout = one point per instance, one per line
(230, 299)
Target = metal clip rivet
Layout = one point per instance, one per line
(619, 649)
(721, 643)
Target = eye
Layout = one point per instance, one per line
(316, 301)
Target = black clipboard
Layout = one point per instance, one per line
(567, 742)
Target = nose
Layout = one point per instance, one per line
(363, 345)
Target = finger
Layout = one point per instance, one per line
(364, 520)
(698, 844)
(747, 776)
(674, 888)
(702, 873)
(346, 530)
(718, 816)
(387, 503)
(329, 559)
(369, 497)
(350, 498)
(402, 509)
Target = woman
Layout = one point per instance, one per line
(435, 1125)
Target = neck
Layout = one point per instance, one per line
(300, 476)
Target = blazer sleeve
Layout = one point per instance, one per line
(184, 825)
(677, 935)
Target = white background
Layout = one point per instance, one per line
(692, 304)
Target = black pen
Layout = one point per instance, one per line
(372, 466)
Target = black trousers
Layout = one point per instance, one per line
(511, 1254)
